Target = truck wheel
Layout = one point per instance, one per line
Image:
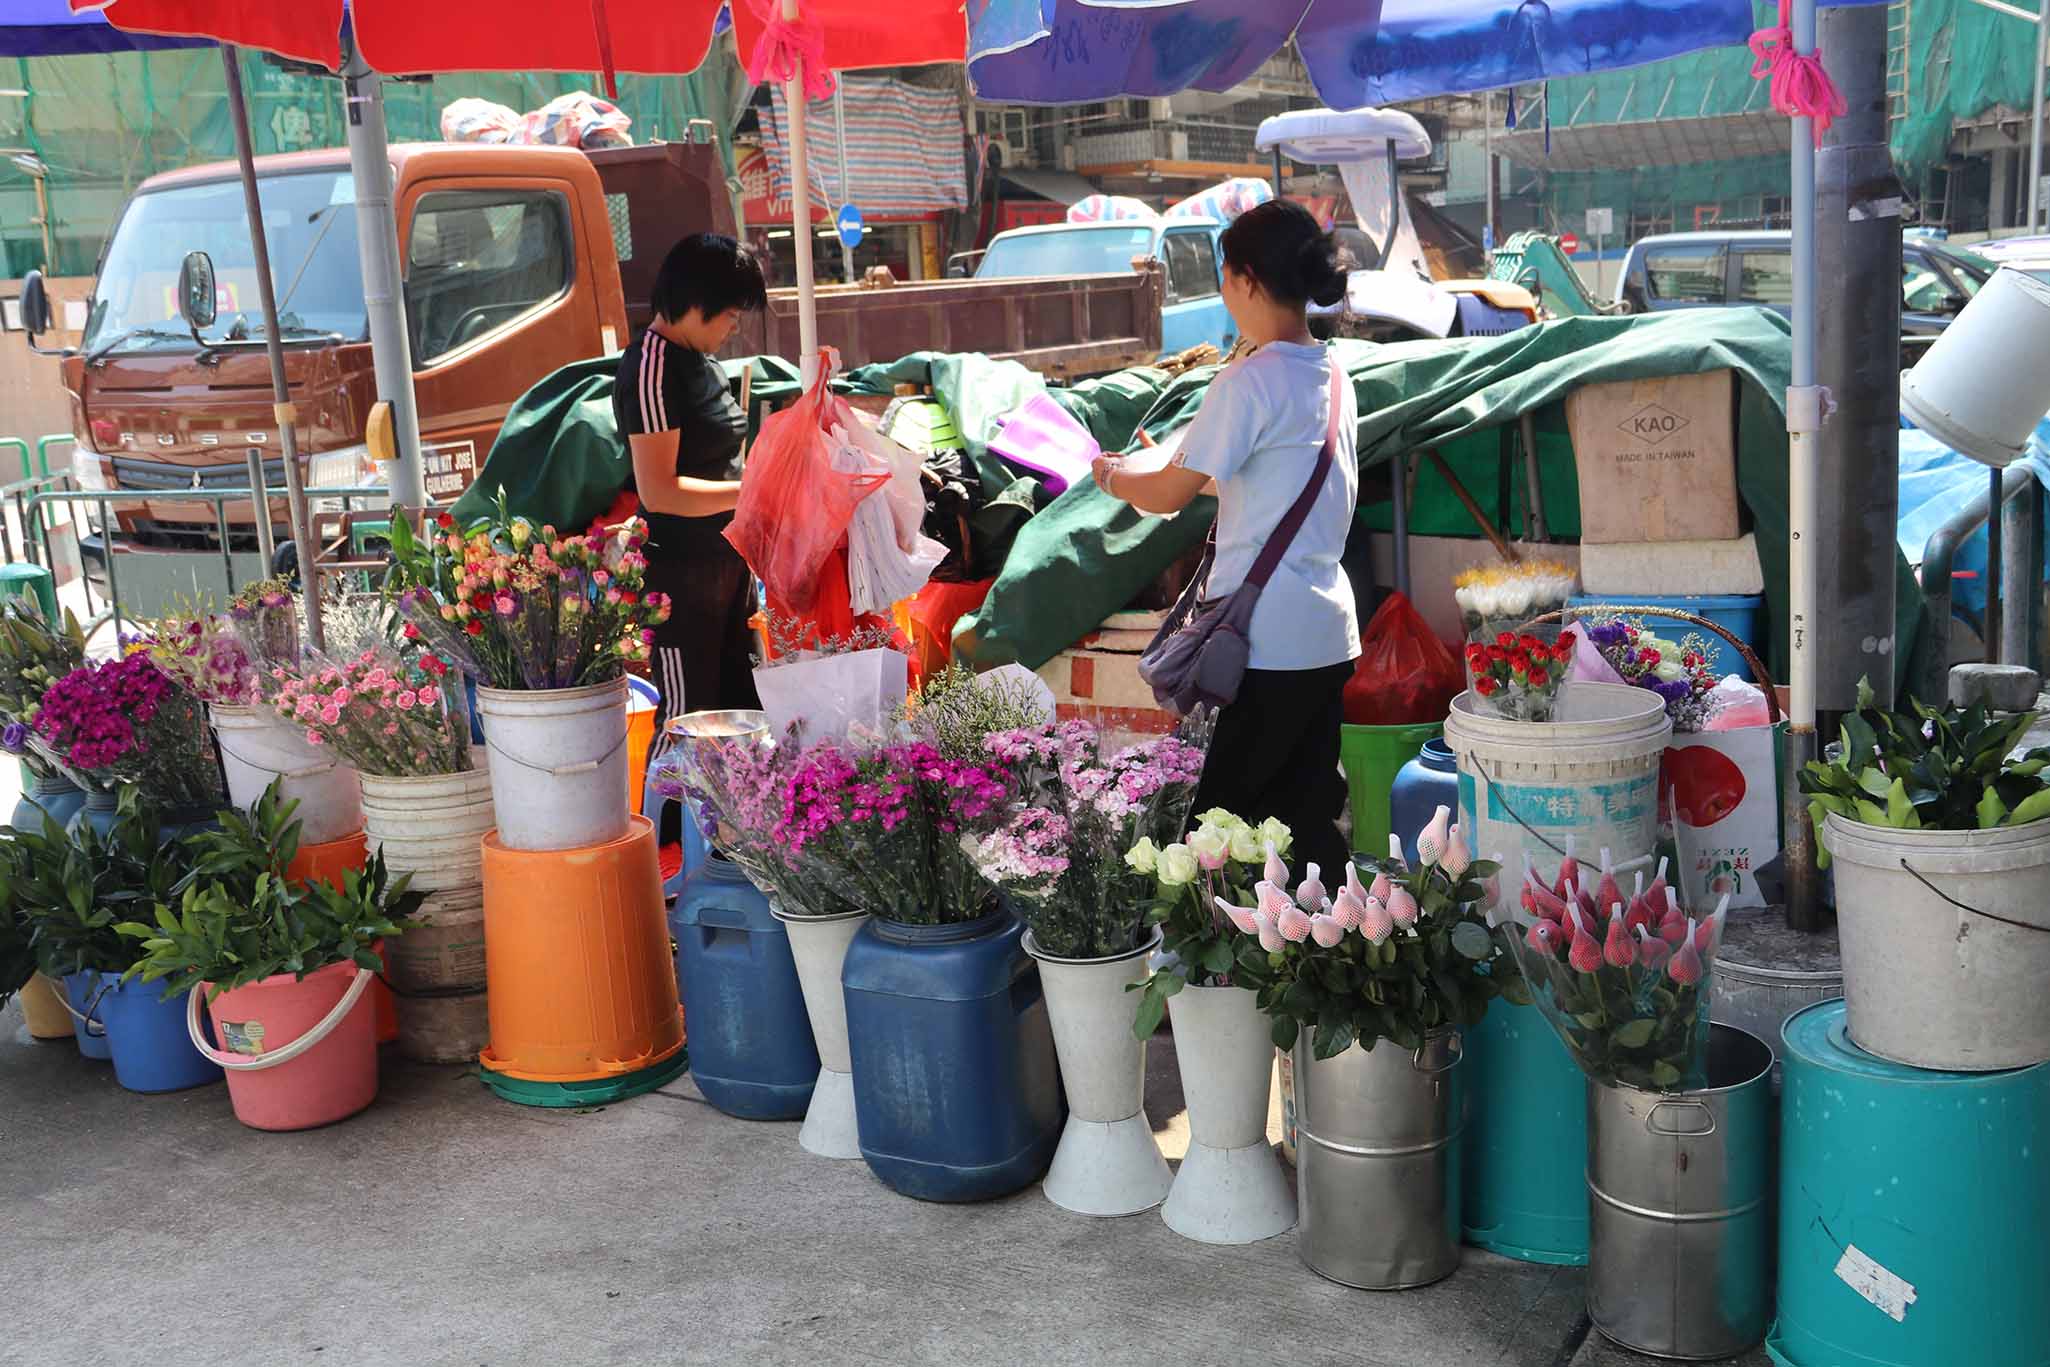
(284, 563)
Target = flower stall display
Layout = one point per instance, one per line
(1934, 825)
(1519, 676)
(1622, 977)
(546, 624)
(1678, 671)
(1493, 599)
(1230, 1188)
(1369, 987)
(122, 721)
(385, 712)
(33, 655)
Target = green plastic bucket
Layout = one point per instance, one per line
(1373, 756)
(1527, 1111)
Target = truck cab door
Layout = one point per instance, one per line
(1194, 311)
(499, 294)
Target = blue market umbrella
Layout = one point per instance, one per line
(48, 28)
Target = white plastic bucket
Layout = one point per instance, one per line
(1591, 774)
(558, 764)
(258, 746)
(1926, 982)
(1984, 384)
(432, 827)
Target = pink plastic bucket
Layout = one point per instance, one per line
(1044, 436)
(299, 1052)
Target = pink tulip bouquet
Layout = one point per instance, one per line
(1622, 978)
(205, 655)
(1397, 954)
(384, 713)
(1219, 864)
(123, 720)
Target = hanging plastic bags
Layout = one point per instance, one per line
(889, 558)
(1405, 675)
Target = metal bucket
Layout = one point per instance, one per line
(1377, 1144)
(1764, 973)
(1679, 1185)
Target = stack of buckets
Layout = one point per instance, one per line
(583, 1004)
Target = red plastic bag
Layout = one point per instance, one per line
(794, 506)
(1405, 675)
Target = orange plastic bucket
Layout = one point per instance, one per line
(299, 1052)
(642, 703)
(581, 981)
(327, 862)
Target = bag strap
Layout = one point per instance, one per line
(1291, 522)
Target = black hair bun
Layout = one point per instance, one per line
(1321, 271)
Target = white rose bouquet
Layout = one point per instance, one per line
(1223, 858)
(1497, 598)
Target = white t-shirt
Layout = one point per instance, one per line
(1258, 433)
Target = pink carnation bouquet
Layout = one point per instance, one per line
(385, 713)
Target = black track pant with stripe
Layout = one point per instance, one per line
(704, 653)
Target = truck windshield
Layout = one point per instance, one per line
(1072, 251)
(309, 222)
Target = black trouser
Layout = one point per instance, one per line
(1275, 754)
(704, 653)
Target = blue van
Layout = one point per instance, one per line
(1193, 311)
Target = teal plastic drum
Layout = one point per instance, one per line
(1911, 1209)
(1525, 1142)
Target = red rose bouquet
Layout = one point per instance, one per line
(1519, 676)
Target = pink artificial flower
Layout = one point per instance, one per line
(1310, 895)
(1349, 909)
(1240, 917)
(1616, 947)
(1273, 901)
(1685, 966)
(1432, 839)
(1402, 907)
(1270, 937)
(1544, 937)
(1652, 952)
(1376, 925)
(1275, 871)
(1294, 925)
(1586, 954)
(405, 699)
(1326, 930)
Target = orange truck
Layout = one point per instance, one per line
(516, 261)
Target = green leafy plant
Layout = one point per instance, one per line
(33, 655)
(1947, 769)
(17, 953)
(237, 918)
(72, 890)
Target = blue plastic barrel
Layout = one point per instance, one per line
(50, 795)
(84, 992)
(1911, 1209)
(1526, 1137)
(1736, 613)
(751, 1050)
(655, 807)
(152, 1051)
(956, 1092)
(1421, 787)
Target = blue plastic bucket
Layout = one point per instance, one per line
(152, 1051)
(83, 992)
(1736, 613)
(1526, 1128)
(1910, 1224)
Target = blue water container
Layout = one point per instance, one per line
(152, 1050)
(751, 1050)
(957, 1095)
(1736, 613)
(1421, 787)
(655, 807)
(84, 991)
(1526, 1134)
(1911, 1209)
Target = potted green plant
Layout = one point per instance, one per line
(282, 967)
(1935, 828)
(34, 655)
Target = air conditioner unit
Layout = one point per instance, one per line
(1017, 155)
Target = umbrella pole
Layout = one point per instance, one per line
(800, 216)
(1804, 426)
(274, 347)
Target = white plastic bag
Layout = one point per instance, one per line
(888, 557)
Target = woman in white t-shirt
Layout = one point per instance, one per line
(1255, 444)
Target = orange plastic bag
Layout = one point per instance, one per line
(1405, 675)
(932, 615)
(794, 506)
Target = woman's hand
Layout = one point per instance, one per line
(1104, 469)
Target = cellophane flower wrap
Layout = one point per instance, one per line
(124, 721)
(1398, 954)
(1217, 864)
(264, 616)
(1678, 671)
(1061, 850)
(33, 655)
(516, 606)
(1518, 677)
(206, 655)
(1622, 977)
(385, 712)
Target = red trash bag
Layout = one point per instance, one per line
(794, 506)
(1405, 675)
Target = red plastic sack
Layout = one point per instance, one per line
(1405, 675)
(934, 613)
(794, 507)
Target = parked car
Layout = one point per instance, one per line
(2030, 254)
(1193, 310)
(1713, 269)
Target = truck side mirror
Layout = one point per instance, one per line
(196, 303)
(35, 305)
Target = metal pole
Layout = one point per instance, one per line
(259, 509)
(800, 216)
(1277, 173)
(1399, 528)
(1804, 423)
(377, 244)
(1996, 528)
(1488, 149)
(846, 196)
(2036, 119)
(281, 395)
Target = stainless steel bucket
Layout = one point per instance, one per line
(1679, 1185)
(1377, 1156)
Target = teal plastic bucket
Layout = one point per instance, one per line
(1527, 1106)
(1910, 1227)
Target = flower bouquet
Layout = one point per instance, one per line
(265, 616)
(822, 687)
(385, 713)
(1063, 852)
(1493, 599)
(124, 721)
(1623, 980)
(1678, 671)
(516, 606)
(1519, 676)
(205, 654)
(1411, 953)
(33, 656)
(1219, 864)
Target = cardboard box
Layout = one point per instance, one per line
(1657, 458)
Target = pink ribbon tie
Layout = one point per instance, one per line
(1800, 85)
(789, 48)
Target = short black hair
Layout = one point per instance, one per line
(1280, 245)
(711, 273)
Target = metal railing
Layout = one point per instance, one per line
(2011, 626)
